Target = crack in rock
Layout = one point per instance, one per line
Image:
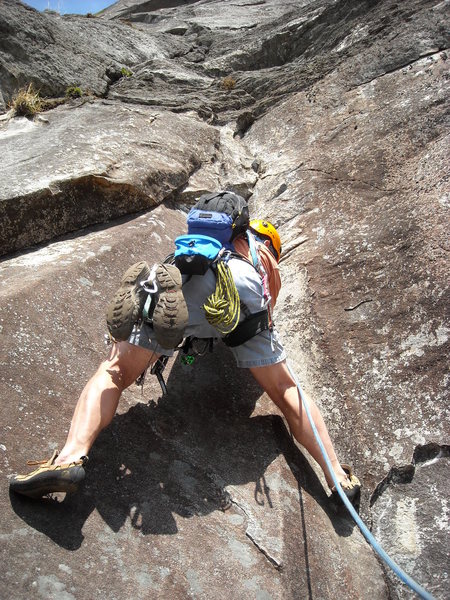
(277, 564)
(273, 561)
(411, 521)
(423, 454)
(405, 66)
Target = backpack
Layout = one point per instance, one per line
(213, 223)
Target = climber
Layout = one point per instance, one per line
(224, 256)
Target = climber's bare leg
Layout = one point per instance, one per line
(277, 382)
(98, 401)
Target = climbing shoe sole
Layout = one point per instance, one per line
(170, 316)
(126, 306)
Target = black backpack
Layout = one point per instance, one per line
(213, 223)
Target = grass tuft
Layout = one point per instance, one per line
(26, 103)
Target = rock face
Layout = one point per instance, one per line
(416, 509)
(166, 511)
(125, 158)
(55, 52)
(330, 116)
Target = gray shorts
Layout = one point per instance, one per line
(261, 350)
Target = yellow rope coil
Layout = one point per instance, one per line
(223, 307)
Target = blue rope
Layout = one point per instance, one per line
(364, 530)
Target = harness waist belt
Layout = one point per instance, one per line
(247, 329)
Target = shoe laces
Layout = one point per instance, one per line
(49, 461)
(349, 483)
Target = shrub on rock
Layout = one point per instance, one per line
(27, 102)
(74, 91)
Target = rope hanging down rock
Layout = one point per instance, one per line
(364, 530)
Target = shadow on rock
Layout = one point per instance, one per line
(177, 456)
(61, 520)
(308, 481)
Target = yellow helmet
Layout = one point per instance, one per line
(268, 231)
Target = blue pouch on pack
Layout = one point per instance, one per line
(217, 225)
(194, 254)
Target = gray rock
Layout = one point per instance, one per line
(166, 510)
(414, 499)
(93, 163)
(55, 52)
(283, 48)
(365, 274)
(130, 8)
(333, 124)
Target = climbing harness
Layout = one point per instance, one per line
(190, 348)
(248, 328)
(363, 528)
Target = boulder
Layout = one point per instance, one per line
(96, 161)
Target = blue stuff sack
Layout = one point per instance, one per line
(217, 225)
(194, 254)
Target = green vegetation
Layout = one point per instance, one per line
(74, 92)
(27, 102)
(125, 72)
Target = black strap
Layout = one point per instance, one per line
(252, 324)
(170, 259)
(247, 329)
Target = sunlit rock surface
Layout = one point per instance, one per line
(332, 118)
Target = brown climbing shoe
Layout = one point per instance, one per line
(170, 316)
(48, 477)
(351, 486)
(126, 306)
